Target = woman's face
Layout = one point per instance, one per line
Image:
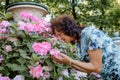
(64, 37)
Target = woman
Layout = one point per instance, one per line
(97, 52)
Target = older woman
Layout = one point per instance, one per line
(97, 52)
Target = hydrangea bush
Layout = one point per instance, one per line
(26, 49)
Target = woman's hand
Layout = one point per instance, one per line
(64, 59)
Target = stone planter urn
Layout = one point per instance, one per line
(116, 38)
(116, 34)
(117, 41)
(36, 9)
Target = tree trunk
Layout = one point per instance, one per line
(73, 9)
(6, 3)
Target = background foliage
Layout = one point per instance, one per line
(102, 13)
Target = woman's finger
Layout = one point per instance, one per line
(63, 55)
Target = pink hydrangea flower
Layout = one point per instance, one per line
(1, 37)
(4, 24)
(19, 77)
(55, 37)
(4, 78)
(78, 74)
(55, 52)
(21, 25)
(96, 75)
(28, 27)
(48, 29)
(38, 27)
(3, 30)
(12, 39)
(65, 73)
(8, 48)
(41, 48)
(1, 58)
(36, 71)
(47, 68)
(46, 75)
(44, 22)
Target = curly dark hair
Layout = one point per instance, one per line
(67, 25)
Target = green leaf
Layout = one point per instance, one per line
(55, 73)
(4, 52)
(0, 19)
(23, 54)
(8, 15)
(21, 61)
(29, 45)
(1, 68)
(43, 57)
(16, 67)
(35, 57)
(35, 36)
(50, 63)
(15, 55)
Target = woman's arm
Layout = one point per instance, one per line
(95, 64)
(79, 69)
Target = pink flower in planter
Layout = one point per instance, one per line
(1, 58)
(55, 52)
(4, 24)
(34, 18)
(41, 48)
(36, 71)
(8, 48)
(25, 15)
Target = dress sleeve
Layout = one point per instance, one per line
(95, 39)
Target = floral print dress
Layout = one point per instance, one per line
(92, 38)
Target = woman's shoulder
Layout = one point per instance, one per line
(89, 29)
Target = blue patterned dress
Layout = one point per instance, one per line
(92, 38)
